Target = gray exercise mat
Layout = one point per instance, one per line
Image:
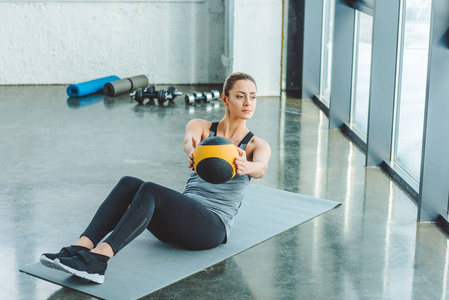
(147, 265)
(122, 86)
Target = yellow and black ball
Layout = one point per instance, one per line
(213, 159)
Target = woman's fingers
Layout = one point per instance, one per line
(241, 162)
(194, 144)
(240, 150)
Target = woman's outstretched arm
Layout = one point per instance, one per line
(195, 132)
(254, 162)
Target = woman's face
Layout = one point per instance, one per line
(242, 99)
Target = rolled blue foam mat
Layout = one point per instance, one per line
(89, 87)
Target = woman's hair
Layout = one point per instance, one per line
(233, 78)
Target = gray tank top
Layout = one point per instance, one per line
(223, 199)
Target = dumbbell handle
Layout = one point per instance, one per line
(176, 93)
(144, 92)
(171, 96)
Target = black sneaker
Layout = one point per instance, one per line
(85, 264)
(48, 259)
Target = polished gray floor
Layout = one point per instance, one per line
(59, 158)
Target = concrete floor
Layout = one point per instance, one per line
(60, 157)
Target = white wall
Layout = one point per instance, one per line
(257, 41)
(70, 42)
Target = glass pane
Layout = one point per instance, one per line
(326, 50)
(412, 86)
(362, 71)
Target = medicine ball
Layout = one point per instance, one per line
(213, 159)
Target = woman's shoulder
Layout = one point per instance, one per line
(199, 126)
(199, 122)
(259, 144)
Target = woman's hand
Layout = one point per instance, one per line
(242, 165)
(195, 131)
(259, 153)
(194, 144)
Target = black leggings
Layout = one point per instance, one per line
(172, 217)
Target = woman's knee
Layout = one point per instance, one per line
(146, 196)
(132, 184)
(149, 187)
(129, 180)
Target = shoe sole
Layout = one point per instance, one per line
(49, 263)
(97, 278)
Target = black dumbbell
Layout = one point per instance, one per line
(205, 97)
(169, 95)
(151, 94)
(145, 93)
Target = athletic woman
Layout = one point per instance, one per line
(199, 218)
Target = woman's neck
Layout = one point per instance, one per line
(233, 130)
